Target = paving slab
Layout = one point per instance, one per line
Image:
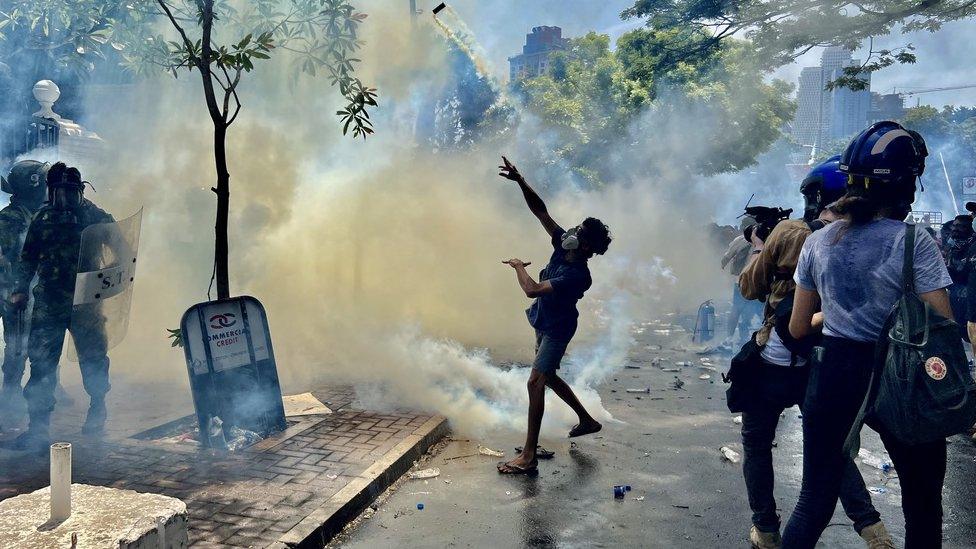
(294, 489)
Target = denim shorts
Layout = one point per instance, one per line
(549, 352)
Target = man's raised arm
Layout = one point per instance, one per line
(532, 199)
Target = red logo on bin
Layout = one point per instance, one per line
(936, 368)
(218, 322)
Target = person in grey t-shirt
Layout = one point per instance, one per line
(857, 272)
(853, 271)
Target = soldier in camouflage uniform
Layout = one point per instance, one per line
(27, 188)
(51, 253)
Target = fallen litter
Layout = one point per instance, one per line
(433, 472)
(682, 364)
(460, 457)
(639, 498)
(620, 490)
(737, 420)
(486, 451)
(632, 367)
(241, 438)
(872, 460)
(677, 383)
(704, 377)
(729, 454)
(420, 506)
(304, 404)
(670, 369)
(646, 390)
(877, 489)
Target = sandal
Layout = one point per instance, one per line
(540, 452)
(579, 430)
(510, 469)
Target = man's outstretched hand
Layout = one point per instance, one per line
(516, 263)
(509, 171)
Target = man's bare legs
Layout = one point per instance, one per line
(537, 401)
(537, 404)
(565, 392)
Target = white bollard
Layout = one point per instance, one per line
(60, 481)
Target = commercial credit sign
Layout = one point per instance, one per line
(230, 360)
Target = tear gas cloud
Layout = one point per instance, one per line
(379, 262)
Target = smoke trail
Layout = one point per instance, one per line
(464, 38)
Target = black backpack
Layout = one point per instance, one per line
(921, 389)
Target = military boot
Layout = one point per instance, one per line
(37, 438)
(876, 537)
(95, 421)
(12, 403)
(764, 540)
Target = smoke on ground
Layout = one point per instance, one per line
(379, 262)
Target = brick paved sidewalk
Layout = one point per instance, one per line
(296, 488)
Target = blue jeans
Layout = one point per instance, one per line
(836, 390)
(781, 387)
(742, 314)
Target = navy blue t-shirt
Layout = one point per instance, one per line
(554, 314)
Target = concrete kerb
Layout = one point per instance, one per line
(320, 526)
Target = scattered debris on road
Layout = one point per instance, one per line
(877, 462)
(433, 472)
(486, 451)
(730, 454)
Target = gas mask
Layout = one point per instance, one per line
(570, 239)
(66, 198)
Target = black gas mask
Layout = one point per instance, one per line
(65, 189)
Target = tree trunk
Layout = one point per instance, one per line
(222, 191)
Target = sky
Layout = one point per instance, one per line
(944, 58)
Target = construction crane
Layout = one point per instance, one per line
(906, 94)
(930, 90)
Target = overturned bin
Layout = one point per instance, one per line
(233, 375)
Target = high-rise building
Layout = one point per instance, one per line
(534, 59)
(824, 114)
(889, 106)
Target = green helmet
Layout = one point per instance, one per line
(27, 180)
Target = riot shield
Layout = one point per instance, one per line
(103, 286)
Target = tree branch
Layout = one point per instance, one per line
(186, 39)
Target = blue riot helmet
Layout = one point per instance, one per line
(885, 160)
(886, 152)
(825, 184)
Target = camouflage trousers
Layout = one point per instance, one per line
(15, 330)
(46, 342)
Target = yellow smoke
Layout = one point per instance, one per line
(379, 262)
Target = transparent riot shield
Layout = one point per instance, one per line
(103, 286)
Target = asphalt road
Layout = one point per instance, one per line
(684, 494)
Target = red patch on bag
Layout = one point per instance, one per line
(935, 368)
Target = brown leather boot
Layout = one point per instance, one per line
(876, 537)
